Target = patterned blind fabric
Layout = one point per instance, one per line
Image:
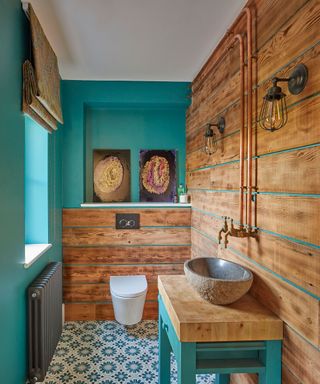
(41, 79)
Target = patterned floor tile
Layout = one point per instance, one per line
(105, 352)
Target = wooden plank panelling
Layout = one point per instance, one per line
(299, 131)
(222, 177)
(99, 292)
(215, 102)
(195, 135)
(126, 255)
(107, 217)
(101, 274)
(296, 35)
(270, 19)
(228, 150)
(293, 216)
(306, 363)
(94, 250)
(309, 58)
(296, 308)
(218, 203)
(76, 312)
(109, 236)
(282, 172)
(285, 256)
(296, 262)
(290, 166)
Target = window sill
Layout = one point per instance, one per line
(32, 252)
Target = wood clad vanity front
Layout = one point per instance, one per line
(196, 320)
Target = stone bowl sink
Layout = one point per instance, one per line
(218, 281)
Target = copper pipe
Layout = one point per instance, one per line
(242, 135)
(249, 117)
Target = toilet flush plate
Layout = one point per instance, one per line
(127, 221)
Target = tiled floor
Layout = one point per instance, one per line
(105, 352)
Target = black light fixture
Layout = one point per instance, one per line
(274, 114)
(210, 138)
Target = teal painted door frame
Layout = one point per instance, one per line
(221, 359)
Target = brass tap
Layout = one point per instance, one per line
(240, 232)
(223, 229)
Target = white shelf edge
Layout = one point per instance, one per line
(134, 205)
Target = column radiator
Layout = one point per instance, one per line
(45, 319)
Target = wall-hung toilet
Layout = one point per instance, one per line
(128, 297)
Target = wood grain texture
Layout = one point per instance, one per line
(296, 262)
(222, 177)
(94, 250)
(301, 31)
(294, 307)
(108, 236)
(283, 172)
(285, 33)
(242, 378)
(126, 255)
(310, 58)
(195, 130)
(80, 312)
(99, 292)
(268, 18)
(215, 102)
(290, 168)
(101, 274)
(227, 150)
(293, 216)
(299, 131)
(217, 203)
(107, 217)
(306, 363)
(245, 319)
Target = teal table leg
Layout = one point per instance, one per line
(222, 379)
(186, 363)
(271, 357)
(164, 354)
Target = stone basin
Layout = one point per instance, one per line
(217, 280)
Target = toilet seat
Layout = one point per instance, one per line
(128, 286)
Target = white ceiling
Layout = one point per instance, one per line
(160, 40)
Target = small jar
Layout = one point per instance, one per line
(183, 198)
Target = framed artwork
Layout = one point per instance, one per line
(158, 175)
(111, 175)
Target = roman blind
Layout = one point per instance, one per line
(41, 79)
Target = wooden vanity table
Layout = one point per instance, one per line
(243, 337)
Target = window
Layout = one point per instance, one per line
(36, 191)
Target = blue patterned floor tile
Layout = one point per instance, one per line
(105, 352)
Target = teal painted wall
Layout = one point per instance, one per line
(127, 115)
(135, 129)
(14, 279)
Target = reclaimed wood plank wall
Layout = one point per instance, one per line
(285, 257)
(93, 250)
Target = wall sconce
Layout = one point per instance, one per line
(274, 114)
(210, 138)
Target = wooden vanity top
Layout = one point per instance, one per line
(196, 320)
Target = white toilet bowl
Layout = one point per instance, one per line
(128, 297)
